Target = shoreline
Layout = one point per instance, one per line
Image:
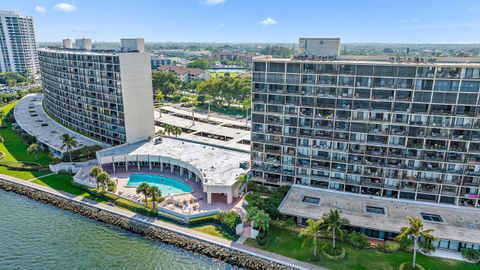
(225, 251)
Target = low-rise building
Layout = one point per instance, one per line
(186, 74)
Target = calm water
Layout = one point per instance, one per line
(166, 185)
(38, 236)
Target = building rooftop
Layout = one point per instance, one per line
(31, 117)
(235, 132)
(219, 166)
(459, 223)
(378, 60)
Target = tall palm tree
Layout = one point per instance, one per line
(415, 230)
(333, 223)
(194, 103)
(313, 230)
(68, 143)
(102, 179)
(159, 96)
(247, 104)
(34, 149)
(144, 189)
(168, 129)
(155, 193)
(94, 172)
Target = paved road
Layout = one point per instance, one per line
(173, 227)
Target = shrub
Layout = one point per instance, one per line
(389, 247)
(408, 266)
(470, 254)
(229, 220)
(358, 240)
(111, 186)
(405, 243)
(333, 253)
(426, 247)
(262, 238)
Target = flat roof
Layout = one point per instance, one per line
(380, 60)
(220, 166)
(219, 126)
(459, 223)
(31, 117)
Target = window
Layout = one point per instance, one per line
(375, 210)
(431, 217)
(311, 200)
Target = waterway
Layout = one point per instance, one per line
(38, 236)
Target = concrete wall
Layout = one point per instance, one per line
(136, 80)
(181, 240)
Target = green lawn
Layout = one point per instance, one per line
(215, 230)
(62, 182)
(287, 243)
(15, 150)
(222, 74)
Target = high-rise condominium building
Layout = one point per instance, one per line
(103, 94)
(369, 131)
(18, 49)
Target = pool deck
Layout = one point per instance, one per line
(218, 202)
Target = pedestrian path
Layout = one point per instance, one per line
(242, 239)
(35, 178)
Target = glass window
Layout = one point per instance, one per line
(276, 67)
(293, 68)
(470, 86)
(365, 70)
(311, 200)
(259, 66)
(431, 217)
(375, 210)
(446, 85)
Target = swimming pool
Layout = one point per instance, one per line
(167, 186)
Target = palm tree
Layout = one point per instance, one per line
(261, 220)
(194, 103)
(168, 129)
(177, 131)
(333, 223)
(247, 103)
(144, 189)
(159, 96)
(94, 172)
(34, 149)
(68, 143)
(313, 230)
(415, 230)
(155, 193)
(102, 179)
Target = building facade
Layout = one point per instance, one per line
(106, 95)
(18, 48)
(157, 61)
(186, 74)
(395, 129)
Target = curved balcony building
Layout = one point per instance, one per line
(106, 95)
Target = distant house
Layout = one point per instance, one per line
(157, 61)
(232, 56)
(186, 74)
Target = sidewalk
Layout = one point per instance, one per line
(172, 227)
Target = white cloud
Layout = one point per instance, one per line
(213, 2)
(40, 9)
(268, 21)
(65, 7)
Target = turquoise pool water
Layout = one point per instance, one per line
(168, 186)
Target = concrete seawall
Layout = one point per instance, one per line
(178, 239)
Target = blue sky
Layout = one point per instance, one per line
(401, 21)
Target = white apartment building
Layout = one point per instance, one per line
(18, 49)
(104, 94)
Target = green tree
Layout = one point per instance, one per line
(247, 104)
(333, 223)
(144, 189)
(261, 221)
(34, 149)
(177, 131)
(68, 143)
(314, 231)
(155, 193)
(168, 129)
(159, 96)
(193, 101)
(167, 82)
(94, 172)
(415, 230)
(201, 64)
(102, 179)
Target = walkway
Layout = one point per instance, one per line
(172, 227)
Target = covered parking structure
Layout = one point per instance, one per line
(216, 168)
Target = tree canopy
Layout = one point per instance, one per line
(166, 82)
(200, 63)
